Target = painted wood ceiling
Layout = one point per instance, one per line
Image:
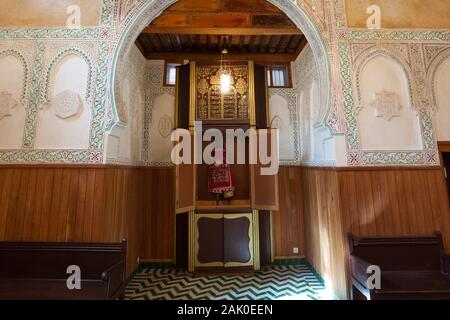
(250, 29)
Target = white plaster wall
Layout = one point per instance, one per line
(53, 132)
(280, 118)
(399, 133)
(442, 93)
(163, 114)
(124, 142)
(12, 81)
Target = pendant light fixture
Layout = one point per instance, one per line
(225, 74)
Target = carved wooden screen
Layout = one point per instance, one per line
(212, 104)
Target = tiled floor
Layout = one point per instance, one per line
(274, 283)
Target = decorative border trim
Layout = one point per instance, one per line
(51, 156)
(31, 111)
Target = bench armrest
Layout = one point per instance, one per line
(115, 281)
(358, 269)
(446, 264)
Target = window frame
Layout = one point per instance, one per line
(166, 63)
(269, 68)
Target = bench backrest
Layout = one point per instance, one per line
(400, 253)
(30, 260)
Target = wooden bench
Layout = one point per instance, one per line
(39, 270)
(411, 267)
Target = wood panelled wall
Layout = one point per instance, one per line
(317, 208)
(368, 202)
(159, 224)
(288, 222)
(325, 249)
(89, 204)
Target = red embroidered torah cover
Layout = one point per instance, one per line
(220, 177)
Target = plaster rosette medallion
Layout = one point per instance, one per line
(165, 126)
(66, 104)
(7, 103)
(386, 105)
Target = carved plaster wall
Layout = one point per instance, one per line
(159, 117)
(317, 142)
(439, 84)
(13, 82)
(335, 48)
(64, 120)
(124, 142)
(383, 78)
(284, 116)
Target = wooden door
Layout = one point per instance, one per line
(223, 240)
(261, 99)
(183, 96)
(185, 183)
(238, 240)
(209, 240)
(264, 188)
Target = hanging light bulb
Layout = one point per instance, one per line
(225, 77)
(225, 82)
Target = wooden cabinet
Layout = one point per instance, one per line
(224, 240)
(228, 234)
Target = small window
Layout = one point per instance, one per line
(170, 77)
(278, 76)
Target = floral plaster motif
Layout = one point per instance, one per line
(386, 105)
(66, 104)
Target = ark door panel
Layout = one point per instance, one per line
(261, 99)
(185, 184)
(264, 184)
(238, 240)
(209, 240)
(182, 241)
(183, 96)
(265, 238)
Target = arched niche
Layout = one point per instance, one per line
(62, 127)
(280, 118)
(12, 92)
(441, 94)
(386, 119)
(161, 127)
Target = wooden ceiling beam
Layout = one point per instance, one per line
(267, 31)
(258, 57)
(301, 46)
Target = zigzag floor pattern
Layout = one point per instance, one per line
(274, 283)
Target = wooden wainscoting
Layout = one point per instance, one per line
(159, 223)
(90, 204)
(410, 201)
(325, 249)
(371, 201)
(288, 222)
